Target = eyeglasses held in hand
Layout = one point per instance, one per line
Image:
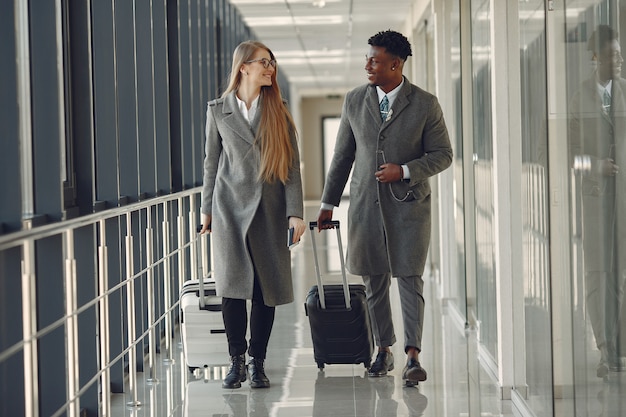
(266, 62)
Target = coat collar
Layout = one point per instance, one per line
(233, 118)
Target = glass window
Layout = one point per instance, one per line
(596, 168)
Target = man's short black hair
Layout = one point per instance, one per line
(394, 43)
(600, 38)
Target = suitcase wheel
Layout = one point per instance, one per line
(367, 364)
(320, 365)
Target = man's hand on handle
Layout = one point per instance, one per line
(323, 219)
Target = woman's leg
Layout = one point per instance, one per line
(235, 316)
(261, 323)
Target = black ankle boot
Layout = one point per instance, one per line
(237, 372)
(258, 379)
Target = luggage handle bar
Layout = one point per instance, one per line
(320, 286)
(205, 265)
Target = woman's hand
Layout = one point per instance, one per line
(206, 224)
(299, 227)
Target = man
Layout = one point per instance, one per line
(597, 126)
(394, 136)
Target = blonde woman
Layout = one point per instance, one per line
(251, 196)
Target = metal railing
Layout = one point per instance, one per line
(159, 234)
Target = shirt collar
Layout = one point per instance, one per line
(391, 96)
(603, 88)
(248, 114)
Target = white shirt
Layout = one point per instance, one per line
(391, 96)
(603, 88)
(248, 114)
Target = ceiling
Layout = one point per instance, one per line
(320, 45)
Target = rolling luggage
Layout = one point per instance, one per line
(338, 317)
(202, 327)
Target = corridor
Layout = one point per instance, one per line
(457, 384)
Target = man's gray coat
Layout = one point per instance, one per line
(384, 233)
(249, 216)
(598, 136)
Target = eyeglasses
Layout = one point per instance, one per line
(266, 62)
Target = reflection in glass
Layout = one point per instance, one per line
(486, 308)
(537, 348)
(597, 151)
(455, 129)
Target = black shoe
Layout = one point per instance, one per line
(382, 364)
(413, 373)
(237, 372)
(258, 379)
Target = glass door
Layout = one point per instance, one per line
(534, 374)
(486, 303)
(596, 116)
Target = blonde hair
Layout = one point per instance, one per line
(276, 126)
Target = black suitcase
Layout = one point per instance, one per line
(338, 317)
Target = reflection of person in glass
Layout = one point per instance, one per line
(597, 129)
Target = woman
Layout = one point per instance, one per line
(252, 194)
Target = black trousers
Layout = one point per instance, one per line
(235, 314)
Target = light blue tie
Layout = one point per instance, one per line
(606, 101)
(384, 108)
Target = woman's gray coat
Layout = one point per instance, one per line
(249, 217)
(384, 234)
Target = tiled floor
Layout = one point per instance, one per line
(456, 385)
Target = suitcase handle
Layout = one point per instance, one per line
(320, 286)
(205, 263)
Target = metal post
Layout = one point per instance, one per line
(103, 323)
(167, 285)
(152, 339)
(130, 312)
(29, 328)
(22, 49)
(181, 243)
(71, 326)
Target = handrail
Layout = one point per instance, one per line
(17, 238)
(178, 244)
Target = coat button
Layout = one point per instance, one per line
(382, 137)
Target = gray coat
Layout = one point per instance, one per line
(249, 216)
(384, 234)
(598, 135)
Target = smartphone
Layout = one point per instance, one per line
(290, 242)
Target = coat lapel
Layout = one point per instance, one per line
(371, 103)
(235, 120)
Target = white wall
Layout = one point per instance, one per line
(312, 111)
